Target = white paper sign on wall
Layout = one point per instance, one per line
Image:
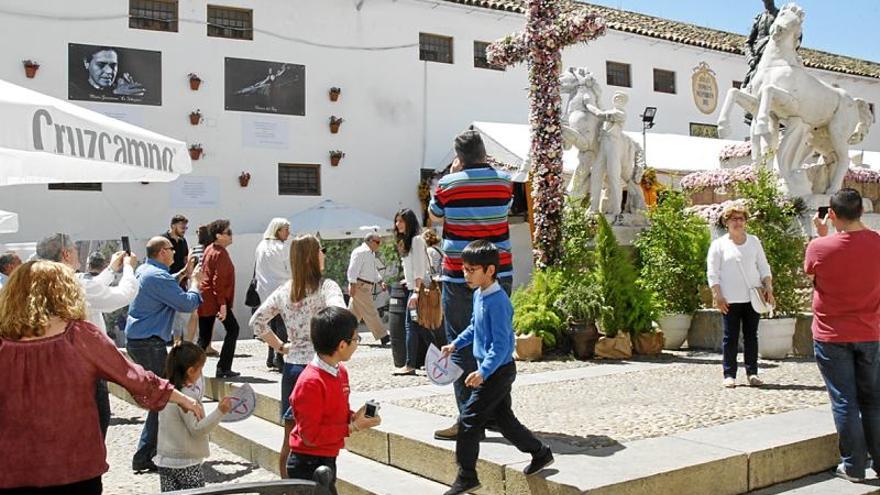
(258, 131)
(195, 192)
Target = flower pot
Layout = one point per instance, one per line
(528, 348)
(195, 118)
(334, 160)
(675, 328)
(334, 128)
(194, 84)
(334, 95)
(584, 336)
(648, 343)
(31, 70)
(775, 337)
(195, 153)
(617, 347)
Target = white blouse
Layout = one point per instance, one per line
(297, 317)
(416, 263)
(272, 266)
(723, 267)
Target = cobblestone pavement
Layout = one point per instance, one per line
(687, 394)
(122, 438)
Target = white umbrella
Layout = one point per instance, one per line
(45, 139)
(331, 220)
(8, 222)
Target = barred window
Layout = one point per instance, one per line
(76, 186)
(617, 74)
(664, 81)
(435, 48)
(155, 15)
(228, 22)
(481, 60)
(299, 180)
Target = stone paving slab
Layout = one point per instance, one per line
(821, 484)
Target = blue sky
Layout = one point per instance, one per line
(845, 27)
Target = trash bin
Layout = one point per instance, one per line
(396, 326)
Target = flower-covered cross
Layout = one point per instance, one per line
(548, 31)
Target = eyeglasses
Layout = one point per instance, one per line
(471, 269)
(736, 219)
(356, 339)
(168, 248)
(376, 242)
(228, 232)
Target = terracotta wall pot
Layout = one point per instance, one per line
(528, 348)
(30, 71)
(584, 336)
(195, 118)
(648, 344)
(334, 128)
(195, 153)
(334, 160)
(675, 329)
(775, 337)
(334, 96)
(194, 84)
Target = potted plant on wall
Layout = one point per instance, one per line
(194, 81)
(195, 117)
(536, 320)
(335, 156)
(30, 68)
(335, 122)
(195, 151)
(774, 222)
(244, 179)
(334, 93)
(672, 256)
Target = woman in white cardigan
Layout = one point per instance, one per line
(272, 270)
(414, 255)
(736, 264)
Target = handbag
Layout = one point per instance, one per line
(429, 307)
(756, 295)
(252, 297)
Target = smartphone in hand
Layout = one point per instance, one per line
(126, 245)
(371, 409)
(823, 212)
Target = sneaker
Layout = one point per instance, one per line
(140, 467)
(754, 381)
(463, 485)
(210, 351)
(840, 472)
(729, 382)
(384, 341)
(227, 374)
(450, 433)
(540, 460)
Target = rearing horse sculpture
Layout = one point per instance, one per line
(817, 116)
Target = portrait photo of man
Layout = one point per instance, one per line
(113, 74)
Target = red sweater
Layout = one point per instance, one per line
(320, 407)
(218, 280)
(49, 432)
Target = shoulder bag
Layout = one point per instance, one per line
(429, 307)
(756, 295)
(252, 297)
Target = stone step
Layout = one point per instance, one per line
(821, 484)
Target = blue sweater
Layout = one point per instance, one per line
(491, 330)
(159, 296)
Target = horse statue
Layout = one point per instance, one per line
(581, 128)
(817, 117)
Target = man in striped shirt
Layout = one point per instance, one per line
(472, 202)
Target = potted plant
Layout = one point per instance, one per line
(335, 156)
(580, 301)
(672, 253)
(194, 81)
(334, 93)
(195, 117)
(536, 320)
(335, 122)
(244, 179)
(774, 222)
(195, 151)
(30, 68)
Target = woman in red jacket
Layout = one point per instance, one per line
(218, 293)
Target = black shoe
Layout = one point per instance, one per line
(384, 341)
(227, 374)
(279, 362)
(141, 467)
(463, 485)
(540, 460)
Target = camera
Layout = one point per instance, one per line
(372, 408)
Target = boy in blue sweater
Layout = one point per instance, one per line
(491, 332)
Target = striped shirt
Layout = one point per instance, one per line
(474, 204)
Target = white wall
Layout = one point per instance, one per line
(400, 113)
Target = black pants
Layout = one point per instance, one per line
(303, 466)
(740, 315)
(490, 400)
(102, 399)
(280, 331)
(85, 487)
(206, 330)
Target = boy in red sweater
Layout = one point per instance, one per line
(320, 397)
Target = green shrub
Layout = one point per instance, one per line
(534, 310)
(672, 255)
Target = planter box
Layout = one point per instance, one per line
(775, 337)
(528, 348)
(675, 329)
(802, 345)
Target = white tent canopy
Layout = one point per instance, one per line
(331, 220)
(510, 143)
(8, 222)
(45, 139)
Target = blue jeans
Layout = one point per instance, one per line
(289, 375)
(415, 334)
(151, 354)
(852, 376)
(740, 315)
(458, 307)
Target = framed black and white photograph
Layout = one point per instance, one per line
(114, 74)
(265, 87)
